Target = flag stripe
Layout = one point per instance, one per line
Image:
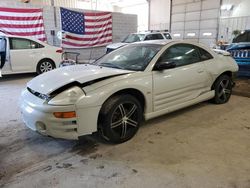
(27, 33)
(22, 22)
(20, 18)
(98, 32)
(19, 10)
(88, 39)
(20, 26)
(94, 14)
(21, 14)
(98, 20)
(109, 23)
(70, 44)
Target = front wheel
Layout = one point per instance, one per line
(120, 118)
(45, 66)
(223, 89)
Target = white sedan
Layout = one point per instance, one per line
(22, 55)
(116, 93)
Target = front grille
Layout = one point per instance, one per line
(39, 95)
(240, 54)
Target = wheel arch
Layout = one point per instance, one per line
(228, 73)
(45, 59)
(131, 91)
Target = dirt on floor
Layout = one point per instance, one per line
(205, 145)
(242, 87)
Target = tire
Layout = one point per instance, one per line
(120, 118)
(223, 89)
(45, 65)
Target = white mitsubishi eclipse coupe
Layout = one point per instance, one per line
(114, 94)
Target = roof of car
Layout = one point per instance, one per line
(150, 32)
(160, 42)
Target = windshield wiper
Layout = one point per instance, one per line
(110, 65)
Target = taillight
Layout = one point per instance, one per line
(59, 51)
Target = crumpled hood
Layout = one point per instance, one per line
(116, 45)
(52, 80)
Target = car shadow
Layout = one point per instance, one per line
(175, 114)
(13, 77)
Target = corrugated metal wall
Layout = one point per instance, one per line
(228, 25)
(196, 20)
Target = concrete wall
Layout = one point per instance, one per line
(123, 24)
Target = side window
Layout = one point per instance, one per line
(204, 54)
(19, 43)
(34, 44)
(157, 36)
(149, 37)
(181, 54)
(241, 38)
(154, 36)
(167, 35)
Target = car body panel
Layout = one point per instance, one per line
(65, 75)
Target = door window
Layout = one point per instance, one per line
(204, 54)
(19, 43)
(181, 54)
(167, 35)
(157, 36)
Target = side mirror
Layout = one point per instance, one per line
(161, 65)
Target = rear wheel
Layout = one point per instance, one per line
(45, 66)
(223, 89)
(120, 118)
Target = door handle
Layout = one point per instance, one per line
(200, 70)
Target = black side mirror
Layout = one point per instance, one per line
(161, 65)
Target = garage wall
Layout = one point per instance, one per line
(123, 24)
(159, 18)
(237, 18)
(196, 20)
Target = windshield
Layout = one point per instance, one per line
(131, 57)
(134, 38)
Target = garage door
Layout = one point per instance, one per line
(195, 20)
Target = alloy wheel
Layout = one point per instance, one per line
(224, 90)
(124, 119)
(46, 66)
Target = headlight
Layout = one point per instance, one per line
(67, 97)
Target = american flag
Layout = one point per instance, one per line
(22, 22)
(84, 30)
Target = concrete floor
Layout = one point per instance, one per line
(204, 146)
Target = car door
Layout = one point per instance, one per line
(24, 54)
(183, 83)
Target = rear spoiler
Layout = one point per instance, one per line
(222, 52)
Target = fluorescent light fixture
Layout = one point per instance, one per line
(191, 34)
(177, 35)
(207, 34)
(226, 7)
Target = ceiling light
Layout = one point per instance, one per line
(177, 35)
(191, 34)
(207, 34)
(226, 7)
